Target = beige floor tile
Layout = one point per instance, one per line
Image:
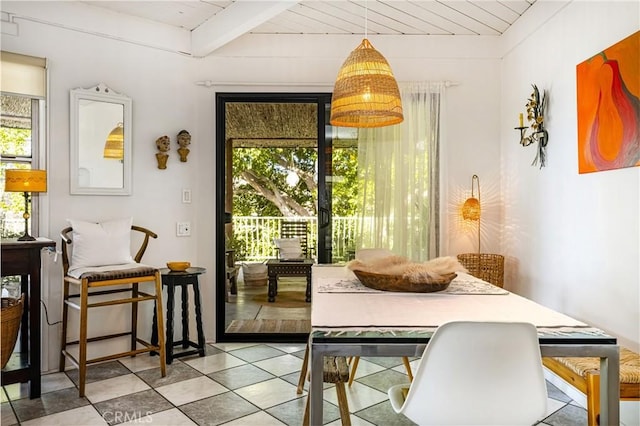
(280, 365)
(269, 393)
(112, 388)
(191, 390)
(79, 416)
(212, 363)
(173, 417)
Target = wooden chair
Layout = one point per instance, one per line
(300, 230)
(125, 279)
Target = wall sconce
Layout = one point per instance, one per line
(26, 181)
(114, 146)
(471, 207)
(535, 114)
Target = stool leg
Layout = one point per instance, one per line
(169, 336)
(134, 317)
(185, 316)
(303, 371)
(305, 418)
(65, 318)
(407, 366)
(354, 367)
(196, 301)
(82, 340)
(343, 405)
(593, 399)
(154, 327)
(159, 326)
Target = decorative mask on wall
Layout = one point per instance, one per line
(184, 140)
(163, 143)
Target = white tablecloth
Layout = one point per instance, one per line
(390, 310)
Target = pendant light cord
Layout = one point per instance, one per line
(366, 9)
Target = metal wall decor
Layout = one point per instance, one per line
(538, 134)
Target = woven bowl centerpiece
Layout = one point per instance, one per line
(397, 273)
(403, 284)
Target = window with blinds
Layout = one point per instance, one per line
(22, 99)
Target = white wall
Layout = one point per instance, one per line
(480, 113)
(573, 241)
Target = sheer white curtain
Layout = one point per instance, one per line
(399, 177)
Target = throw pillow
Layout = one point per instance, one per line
(100, 244)
(289, 248)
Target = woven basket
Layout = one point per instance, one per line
(402, 284)
(487, 267)
(11, 315)
(254, 274)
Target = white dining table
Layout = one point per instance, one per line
(349, 319)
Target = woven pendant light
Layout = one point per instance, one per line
(366, 92)
(114, 147)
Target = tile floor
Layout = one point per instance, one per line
(234, 384)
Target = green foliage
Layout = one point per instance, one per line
(15, 141)
(345, 187)
(269, 168)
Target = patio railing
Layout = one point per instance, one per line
(253, 236)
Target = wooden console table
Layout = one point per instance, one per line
(23, 258)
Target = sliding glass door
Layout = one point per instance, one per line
(274, 163)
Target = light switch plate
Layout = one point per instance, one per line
(186, 196)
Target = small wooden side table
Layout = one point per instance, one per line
(182, 279)
(23, 258)
(282, 268)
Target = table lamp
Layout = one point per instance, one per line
(25, 181)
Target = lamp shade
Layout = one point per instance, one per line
(365, 93)
(471, 209)
(25, 180)
(114, 147)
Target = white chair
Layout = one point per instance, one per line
(477, 373)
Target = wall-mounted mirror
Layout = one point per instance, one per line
(100, 142)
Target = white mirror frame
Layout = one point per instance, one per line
(99, 93)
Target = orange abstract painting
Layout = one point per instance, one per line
(608, 96)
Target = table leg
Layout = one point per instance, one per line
(169, 336)
(273, 287)
(315, 387)
(196, 300)
(610, 388)
(308, 294)
(185, 316)
(154, 329)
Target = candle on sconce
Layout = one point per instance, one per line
(521, 120)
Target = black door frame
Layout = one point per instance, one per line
(322, 100)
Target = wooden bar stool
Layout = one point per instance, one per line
(107, 281)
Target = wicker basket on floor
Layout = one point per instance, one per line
(486, 266)
(11, 316)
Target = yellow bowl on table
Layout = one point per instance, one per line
(178, 266)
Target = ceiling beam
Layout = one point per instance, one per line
(232, 22)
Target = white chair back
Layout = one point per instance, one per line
(477, 373)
